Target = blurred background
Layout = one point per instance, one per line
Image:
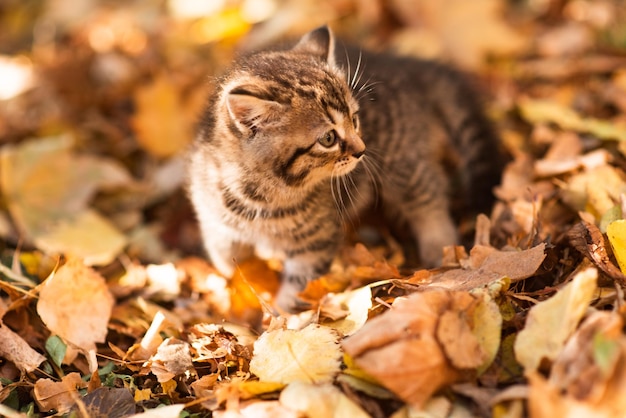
(99, 98)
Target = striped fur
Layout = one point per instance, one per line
(294, 142)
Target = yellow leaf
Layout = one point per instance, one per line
(87, 236)
(228, 23)
(47, 189)
(161, 123)
(142, 395)
(616, 231)
(311, 354)
(252, 388)
(169, 387)
(487, 327)
(551, 322)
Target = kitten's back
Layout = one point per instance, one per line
(410, 105)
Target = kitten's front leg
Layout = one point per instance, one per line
(225, 252)
(298, 270)
(434, 229)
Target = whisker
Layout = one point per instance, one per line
(372, 177)
(337, 196)
(349, 195)
(366, 89)
(348, 75)
(354, 81)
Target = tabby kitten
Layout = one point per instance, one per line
(294, 141)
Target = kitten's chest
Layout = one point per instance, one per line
(263, 215)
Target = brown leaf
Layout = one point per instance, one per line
(75, 303)
(458, 341)
(487, 265)
(17, 351)
(587, 238)
(109, 402)
(410, 331)
(173, 358)
(59, 396)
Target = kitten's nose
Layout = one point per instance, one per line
(358, 154)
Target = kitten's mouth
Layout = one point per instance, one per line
(345, 165)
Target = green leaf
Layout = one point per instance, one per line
(604, 352)
(56, 348)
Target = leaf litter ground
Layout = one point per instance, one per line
(107, 307)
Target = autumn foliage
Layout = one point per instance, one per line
(109, 308)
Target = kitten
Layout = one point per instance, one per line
(294, 141)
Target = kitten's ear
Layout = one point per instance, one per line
(319, 42)
(249, 109)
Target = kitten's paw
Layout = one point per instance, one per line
(431, 246)
(287, 298)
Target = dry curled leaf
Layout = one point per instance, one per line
(17, 351)
(173, 358)
(412, 329)
(587, 238)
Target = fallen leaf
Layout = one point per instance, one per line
(595, 190)
(356, 305)
(108, 402)
(487, 265)
(75, 303)
(220, 349)
(587, 238)
(311, 354)
(59, 396)
(48, 202)
(458, 341)
(319, 401)
(169, 411)
(542, 111)
(589, 360)
(87, 236)
(468, 41)
(18, 351)
(173, 358)
(7, 412)
(488, 327)
(258, 409)
(551, 322)
(160, 101)
(616, 231)
(253, 279)
(409, 330)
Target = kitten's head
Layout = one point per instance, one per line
(291, 113)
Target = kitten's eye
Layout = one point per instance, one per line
(355, 121)
(329, 139)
